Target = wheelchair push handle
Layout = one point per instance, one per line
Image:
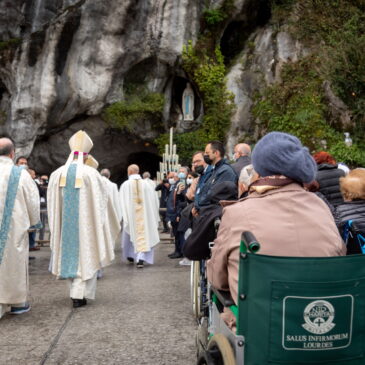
(249, 242)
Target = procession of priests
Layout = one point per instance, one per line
(85, 213)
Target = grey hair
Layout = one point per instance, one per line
(6, 147)
(106, 173)
(246, 175)
(185, 168)
(146, 175)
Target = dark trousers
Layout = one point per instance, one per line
(175, 233)
(31, 239)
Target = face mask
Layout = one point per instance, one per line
(171, 181)
(189, 181)
(182, 175)
(199, 169)
(208, 160)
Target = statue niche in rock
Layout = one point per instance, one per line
(188, 103)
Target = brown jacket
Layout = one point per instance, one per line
(288, 221)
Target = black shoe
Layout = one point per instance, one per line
(165, 231)
(76, 303)
(31, 258)
(171, 254)
(130, 259)
(140, 264)
(176, 255)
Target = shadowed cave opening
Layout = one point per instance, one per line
(237, 32)
(146, 161)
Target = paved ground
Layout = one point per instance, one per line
(139, 317)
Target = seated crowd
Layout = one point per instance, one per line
(276, 203)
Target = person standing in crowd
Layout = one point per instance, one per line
(22, 161)
(242, 156)
(19, 209)
(353, 191)
(284, 218)
(113, 192)
(140, 218)
(43, 199)
(176, 202)
(221, 170)
(328, 177)
(78, 205)
(32, 231)
(164, 187)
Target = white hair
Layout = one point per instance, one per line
(246, 175)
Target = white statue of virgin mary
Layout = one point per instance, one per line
(188, 103)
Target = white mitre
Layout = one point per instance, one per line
(90, 161)
(80, 144)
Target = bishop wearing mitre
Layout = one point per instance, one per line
(82, 238)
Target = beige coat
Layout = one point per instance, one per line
(14, 266)
(287, 222)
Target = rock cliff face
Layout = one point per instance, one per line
(73, 58)
(63, 61)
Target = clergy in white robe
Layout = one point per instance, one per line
(82, 240)
(19, 209)
(113, 192)
(140, 218)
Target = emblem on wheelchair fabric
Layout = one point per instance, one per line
(319, 316)
(317, 323)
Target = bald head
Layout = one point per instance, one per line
(242, 149)
(106, 173)
(7, 148)
(133, 169)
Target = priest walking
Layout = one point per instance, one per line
(19, 209)
(78, 206)
(140, 218)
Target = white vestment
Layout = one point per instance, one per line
(14, 241)
(140, 214)
(114, 196)
(96, 231)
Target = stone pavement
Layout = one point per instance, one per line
(140, 316)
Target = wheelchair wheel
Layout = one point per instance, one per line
(219, 352)
(195, 288)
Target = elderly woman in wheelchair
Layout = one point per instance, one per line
(296, 309)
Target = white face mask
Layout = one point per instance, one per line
(171, 181)
(189, 180)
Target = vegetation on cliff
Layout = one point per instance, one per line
(204, 65)
(334, 32)
(139, 105)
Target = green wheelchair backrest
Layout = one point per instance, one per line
(295, 310)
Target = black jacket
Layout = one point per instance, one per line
(164, 194)
(328, 177)
(196, 246)
(242, 162)
(355, 211)
(222, 172)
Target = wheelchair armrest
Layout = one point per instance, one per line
(224, 297)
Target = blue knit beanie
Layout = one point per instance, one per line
(283, 154)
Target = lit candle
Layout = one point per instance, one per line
(171, 138)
